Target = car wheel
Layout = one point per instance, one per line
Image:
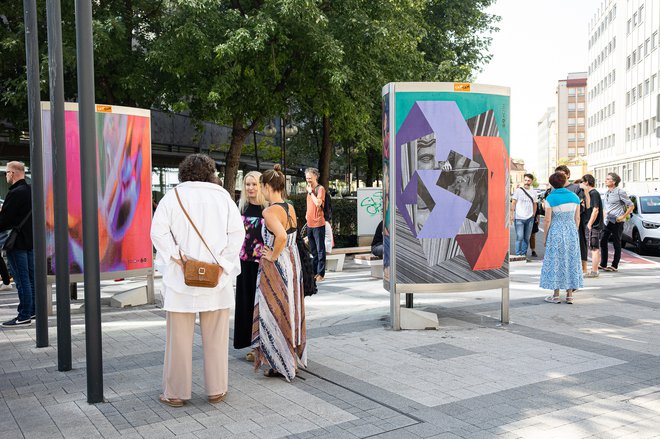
(637, 242)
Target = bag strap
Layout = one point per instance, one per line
(176, 192)
(528, 195)
(20, 226)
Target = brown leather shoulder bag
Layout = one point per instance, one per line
(198, 273)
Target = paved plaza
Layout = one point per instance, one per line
(591, 369)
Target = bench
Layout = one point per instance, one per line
(375, 262)
(334, 260)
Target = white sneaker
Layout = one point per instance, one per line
(4, 287)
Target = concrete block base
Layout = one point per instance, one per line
(134, 297)
(416, 319)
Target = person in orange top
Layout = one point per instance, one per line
(316, 221)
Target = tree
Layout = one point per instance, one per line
(237, 62)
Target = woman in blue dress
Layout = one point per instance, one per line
(562, 266)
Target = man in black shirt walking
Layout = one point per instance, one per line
(16, 214)
(594, 225)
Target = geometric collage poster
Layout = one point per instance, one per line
(450, 153)
(123, 145)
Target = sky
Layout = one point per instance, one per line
(539, 43)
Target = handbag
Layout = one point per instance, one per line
(9, 236)
(198, 273)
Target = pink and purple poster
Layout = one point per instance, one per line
(124, 188)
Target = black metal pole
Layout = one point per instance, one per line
(37, 170)
(87, 121)
(58, 135)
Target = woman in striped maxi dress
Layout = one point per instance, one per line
(278, 328)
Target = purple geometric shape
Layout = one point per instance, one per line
(449, 214)
(451, 133)
(407, 196)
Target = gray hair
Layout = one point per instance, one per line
(313, 171)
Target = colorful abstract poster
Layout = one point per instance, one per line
(386, 123)
(123, 147)
(451, 183)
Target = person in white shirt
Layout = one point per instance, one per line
(219, 222)
(523, 209)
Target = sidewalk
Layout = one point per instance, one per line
(572, 371)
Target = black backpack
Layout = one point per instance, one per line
(307, 271)
(327, 204)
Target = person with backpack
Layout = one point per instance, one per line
(315, 216)
(278, 333)
(617, 208)
(523, 210)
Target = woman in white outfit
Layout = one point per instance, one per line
(219, 222)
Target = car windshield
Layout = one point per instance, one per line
(650, 204)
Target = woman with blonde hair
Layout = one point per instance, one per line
(278, 333)
(197, 220)
(251, 205)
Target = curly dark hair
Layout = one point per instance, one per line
(198, 167)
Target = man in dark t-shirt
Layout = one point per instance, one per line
(594, 222)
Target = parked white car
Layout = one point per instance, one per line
(643, 228)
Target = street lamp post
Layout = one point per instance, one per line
(281, 131)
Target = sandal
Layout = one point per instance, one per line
(213, 399)
(553, 299)
(569, 297)
(272, 373)
(172, 402)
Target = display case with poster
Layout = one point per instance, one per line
(123, 137)
(446, 167)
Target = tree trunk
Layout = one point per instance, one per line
(326, 152)
(371, 167)
(233, 158)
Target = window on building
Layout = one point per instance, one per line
(654, 40)
(653, 79)
(628, 134)
(571, 122)
(629, 26)
(641, 13)
(571, 92)
(639, 90)
(571, 137)
(639, 53)
(647, 43)
(571, 106)
(649, 170)
(628, 98)
(646, 87)
(571, 152)
(634, 19)
(645, 126)
(581, 136)
(652, 126)
(628, 61)
(580, 121)
(636, 171)
(639, 129)
(633, 59)
(613, 107)
(580, 106)
(656, 169)
(633, 95)
(581, 91)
